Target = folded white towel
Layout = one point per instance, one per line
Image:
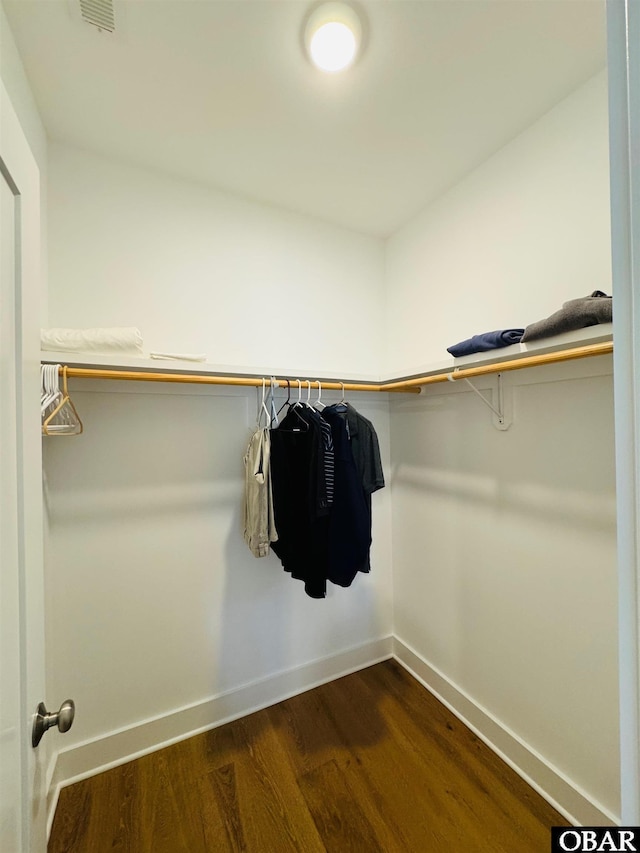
(177, 356)
(127, 340)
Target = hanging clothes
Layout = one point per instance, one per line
(259, 521)
(258, 514)
(349, 522)
(301, 505)
(325, 466)
(366, 454)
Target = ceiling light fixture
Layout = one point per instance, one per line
(332, 36)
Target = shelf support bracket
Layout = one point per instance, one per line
(502, 418)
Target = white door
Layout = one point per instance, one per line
(22, 769)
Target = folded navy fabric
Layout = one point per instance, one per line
(486, 341)
(574, 314)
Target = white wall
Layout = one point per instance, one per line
(17, 85)
(155, 602)
(202, 271)
(504, 560)
(505, 542)
(509, 244)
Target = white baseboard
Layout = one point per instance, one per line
(95, 756)
(548, 781)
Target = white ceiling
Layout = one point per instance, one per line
(219, 91)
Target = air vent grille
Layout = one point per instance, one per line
(99, 13)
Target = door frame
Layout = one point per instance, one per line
(23, 170)
(623, 38)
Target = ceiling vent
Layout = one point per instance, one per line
(99, 13)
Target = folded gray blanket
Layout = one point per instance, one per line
(574, 314)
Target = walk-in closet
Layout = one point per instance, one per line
(225, 239)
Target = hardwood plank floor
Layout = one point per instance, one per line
(370, 762)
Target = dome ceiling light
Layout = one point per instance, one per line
(332, 36)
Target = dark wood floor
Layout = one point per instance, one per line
(371, 762)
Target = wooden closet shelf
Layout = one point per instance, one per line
(603, 348)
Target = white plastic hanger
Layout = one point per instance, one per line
(49, 377)
(262, 408)
(319, 405)
(273, 384)
(342, 402)
(64, 419)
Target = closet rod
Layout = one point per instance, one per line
(500, 367)
(201, 379)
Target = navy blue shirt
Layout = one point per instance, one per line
(349, 522)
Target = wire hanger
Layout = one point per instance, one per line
(288, 400)
(294, 408)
